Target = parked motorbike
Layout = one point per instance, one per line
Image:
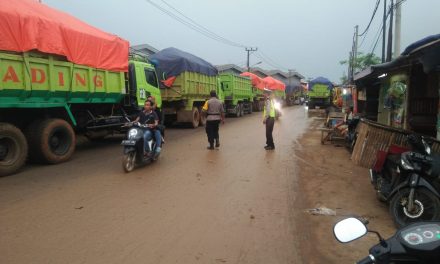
(416, 243)
(134, 152)
(409, 181)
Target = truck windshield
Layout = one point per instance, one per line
(151, 78)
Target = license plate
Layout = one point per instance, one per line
(128, 142)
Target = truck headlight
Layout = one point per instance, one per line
(132, 133)
(277, 106)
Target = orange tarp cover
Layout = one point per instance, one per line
(256, 81)
(28, 25)
(274, 84)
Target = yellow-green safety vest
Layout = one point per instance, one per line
(272, 109)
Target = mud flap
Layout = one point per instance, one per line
(129, 149)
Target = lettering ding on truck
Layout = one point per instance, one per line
(39, 76)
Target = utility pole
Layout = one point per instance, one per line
(248, 54)
(390, 34)
(350, 61)
(356, 29)
(384, 29)
(397, 28)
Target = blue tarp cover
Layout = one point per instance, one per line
(320, 80)
(173, 62)
(420, 43)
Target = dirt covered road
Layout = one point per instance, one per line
(233, 205)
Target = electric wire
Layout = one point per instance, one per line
(195, 27)
(201, 26)
(371, 20)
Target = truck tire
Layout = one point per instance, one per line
(241, 109)
(13, 149)
(237, 110)
(250, 108)
(195, 117)
(51, 141)
(260, 106)
(202, 121)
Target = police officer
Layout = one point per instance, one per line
(269, 118)
(215, 113)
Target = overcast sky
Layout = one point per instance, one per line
(310, 36)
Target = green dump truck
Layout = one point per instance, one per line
(183, 101)
(238, 94)
(186, 85)
(320, 92)
(46, 100)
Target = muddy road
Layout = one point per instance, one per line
(233, 205)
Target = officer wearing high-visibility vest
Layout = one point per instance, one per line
(215, 113)
(269, 118)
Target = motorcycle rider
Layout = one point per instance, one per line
(148, 117)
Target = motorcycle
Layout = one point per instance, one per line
(134, 152)
(415, 243)
(408, 181)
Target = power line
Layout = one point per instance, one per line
(273, 61)
(194, 25)
(201, 26)
(381, 30)
(372, 17)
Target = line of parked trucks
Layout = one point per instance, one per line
(46, 100)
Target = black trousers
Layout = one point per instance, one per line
(269, 128)
(212, 131)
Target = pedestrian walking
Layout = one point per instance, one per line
(215, 113)
(269, 118)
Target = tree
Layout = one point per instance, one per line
(363, 61)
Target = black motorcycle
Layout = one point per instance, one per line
(409, 182)
(134, 152)
(415, 243)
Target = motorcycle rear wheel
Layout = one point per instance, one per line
(427, 207)
(128, 161)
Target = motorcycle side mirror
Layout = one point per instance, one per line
(349, 229)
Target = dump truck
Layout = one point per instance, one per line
(320, 92)
(187, 81)
(62, 88)
(238, 94)
(257, 91)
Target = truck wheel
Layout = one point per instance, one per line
(13, 149)
(202, 121)
(260, 106)
(250, 108)
(241, 109)
(237, 110)
(51, 141)
(195, 117)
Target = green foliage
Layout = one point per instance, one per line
(363, 61)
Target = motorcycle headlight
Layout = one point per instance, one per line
(132, 133)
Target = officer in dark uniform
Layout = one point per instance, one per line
(215, 113)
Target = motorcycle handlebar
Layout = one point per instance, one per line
(367, 260)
